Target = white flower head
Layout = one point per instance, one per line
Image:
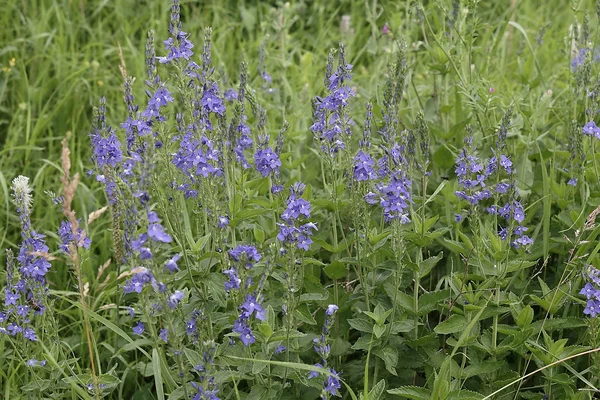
(22, 192)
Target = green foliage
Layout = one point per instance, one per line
(432, 309)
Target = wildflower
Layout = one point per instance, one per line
(139, 329)
(29, 333)
(66, 235)
(246, 254)
(175, 298)
(230, 95)
(291, 231)
(385, 30)
(279, 349)
(223, 222)
(266, 160)
(591, 129)
(163, 335)
(137, 282)
(234, 280)
(157, 233)
(171, 264)
(331, 385)
(35, 363)
(330, 116)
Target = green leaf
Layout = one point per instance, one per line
(464, 395)
(265, 330)
(336, 270)
(377, 391)
(412, 392)
(427, 265)
(378, 330)
(158, 382)
(389, 355)
(525, 317)
(361, 324)
(455, 323)
(309, 297)
(200, 244)
(484, 367)
(259, 234)
(37, 385)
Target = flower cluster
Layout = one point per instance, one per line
(591, 291)
(591, 129)
(332, 384)
(25, 292)
(207, 388)
(475, 181)
(364, 164)
(330, 116)
(197, 158)
(245, 255)
(80, 239)
(251, 306)
(178, 45)
(289, 231)
(266, 160)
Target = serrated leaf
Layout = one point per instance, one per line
(464, 395)
(361, 324)
(484, 367)
(377, 391)
(427, 265)
(456, 323)
(336, 270)
(412, 392)
(308, 297)
(525, 316)
(389, 355)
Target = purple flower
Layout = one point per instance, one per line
(266, 160)
(246, 254)
(163, 335)
(331, 309)
(230, 95)
(591, 129)
(157, 233)
(178, 47)
(364, 167)
(66, 235)
(161, 98)
(35, 363)
(572, 182)
(589, 291)
(106, 150)
(252, 306)
(141, 277)
(395, 199)
(333, 383)
(223, 222)
(10, 297)
(592, 308)
(234, 280)
(171, 264)
(175, 298)
(29, 333)
(211, 100)
(247, 337)
(279, 349)
(139, 329)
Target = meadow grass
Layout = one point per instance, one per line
(411, 324)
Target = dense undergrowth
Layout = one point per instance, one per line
(307, 200)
